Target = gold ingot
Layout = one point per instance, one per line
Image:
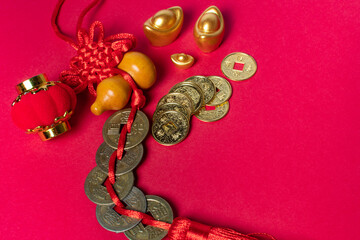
(31, 83)
(163, 28)
(182, 60)
(54, 131)
(209, 29)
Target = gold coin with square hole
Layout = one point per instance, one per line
(238, 66)
(206, 86)
(171, 107)
(179, 98)
(161, 211)
(213, 115)
(139, 129)
(223, 90)
(192, 90)
(170, 128)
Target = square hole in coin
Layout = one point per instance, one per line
(209, 108)
(115, 128)
(169, 128)
(238, 66)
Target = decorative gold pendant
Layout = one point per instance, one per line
(163, 28)
(209, 29)
(182, 60)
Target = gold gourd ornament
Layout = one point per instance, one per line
(163, 28)
(140, 67)
(209, 29)
(114, 93)
(111, 94)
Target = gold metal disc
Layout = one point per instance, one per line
(223, 90)
(238, 66)
(216, 114)
(170, 128)
(193, 91)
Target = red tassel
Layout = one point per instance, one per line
(183, 228)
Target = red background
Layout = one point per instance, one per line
(285, 160)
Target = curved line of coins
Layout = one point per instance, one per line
(204, 97)
(124, 187)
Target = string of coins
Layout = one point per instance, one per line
(133, 197)
(204, 97)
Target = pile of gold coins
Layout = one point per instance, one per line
(204, 97)
(124, 183)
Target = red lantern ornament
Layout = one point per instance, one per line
(43, 107)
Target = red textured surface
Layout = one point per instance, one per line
(41, 108)
(285, 160)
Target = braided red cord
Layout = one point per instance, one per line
(146, 219)
(84, 12)
(56, 27)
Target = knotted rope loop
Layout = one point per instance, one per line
(138, 99)
(96, 60)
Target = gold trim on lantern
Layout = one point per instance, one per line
(43, 87)
(64, 117)
(31, 83)
(57, 120)
(56, 130)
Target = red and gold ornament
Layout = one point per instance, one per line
(114, 93)
(43, 107)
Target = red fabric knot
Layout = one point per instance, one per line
(138, 99)
(96, 60)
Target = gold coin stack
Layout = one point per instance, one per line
(205, 97)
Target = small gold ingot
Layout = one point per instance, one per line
(182, 60)
(163, 28)
(209, 29)
(31, 83)
(54, 131)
